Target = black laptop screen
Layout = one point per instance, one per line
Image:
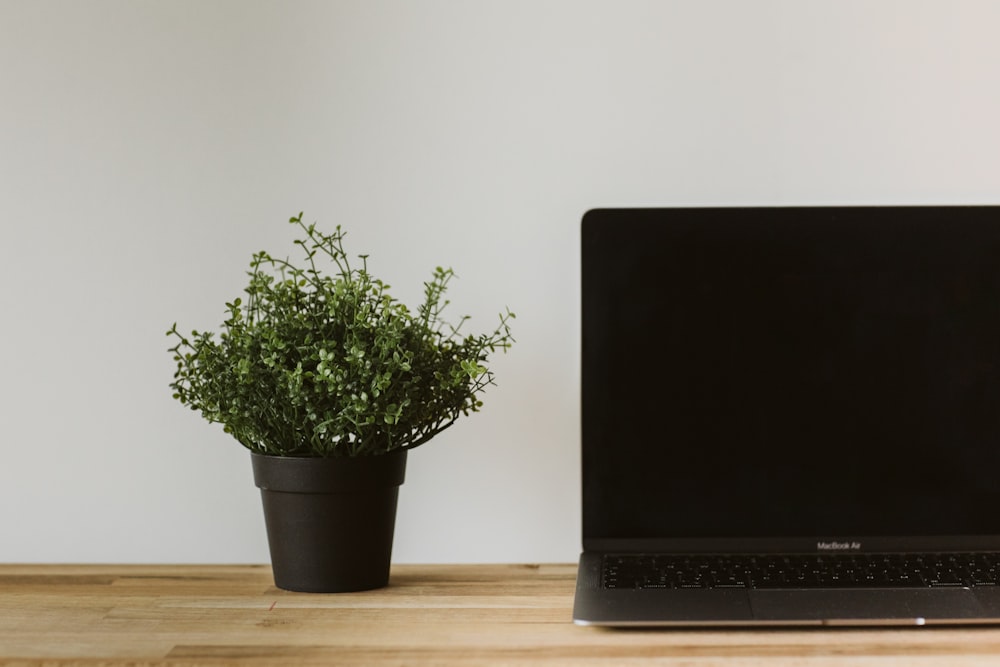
(791, 372)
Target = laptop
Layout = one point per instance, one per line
(790, 415)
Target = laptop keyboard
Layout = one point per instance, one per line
(632, 571)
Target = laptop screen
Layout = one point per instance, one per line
(791, 372)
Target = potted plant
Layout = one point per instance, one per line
(329, 382)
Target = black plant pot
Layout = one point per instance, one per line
(330, 522)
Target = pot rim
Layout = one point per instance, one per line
(303, 474)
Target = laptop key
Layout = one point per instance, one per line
(946, 579)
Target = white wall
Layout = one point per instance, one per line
(148, 148)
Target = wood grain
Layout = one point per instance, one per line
(429, 615)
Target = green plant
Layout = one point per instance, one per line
(311, 364)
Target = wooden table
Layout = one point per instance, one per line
(429, 615)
